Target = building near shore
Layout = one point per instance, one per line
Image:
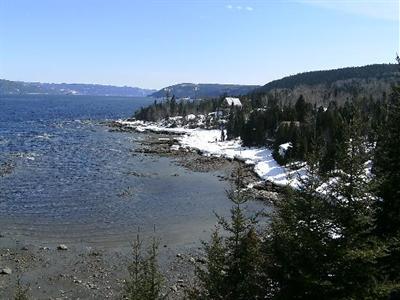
(231, 101)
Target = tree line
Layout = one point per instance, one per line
(304, 125)
(265, 121)
(327, 77)
(336, 238)
(171, 107)
(338, 235)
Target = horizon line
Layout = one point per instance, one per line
(157, 89)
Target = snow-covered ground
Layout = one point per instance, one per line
(141, 126)
(209, 144)
(265, 166)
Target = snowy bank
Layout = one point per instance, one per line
(209, 144)
(265, 166)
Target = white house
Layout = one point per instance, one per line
(229, 101)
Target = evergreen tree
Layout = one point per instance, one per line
(321, 243)
(357, 274)
(386, 167)
(211, 280)
(302, 108)
(332, 130)
(234, 259)
(230, 127)
(145, 280)
(299, 246)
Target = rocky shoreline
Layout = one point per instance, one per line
(162, 143)
(74, 270)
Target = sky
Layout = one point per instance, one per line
(156, 43)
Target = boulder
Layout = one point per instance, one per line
(6, 271)
(62, 247)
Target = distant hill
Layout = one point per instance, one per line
(339, 84)
(203, 90)
(8, 87)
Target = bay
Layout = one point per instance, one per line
(72, 179)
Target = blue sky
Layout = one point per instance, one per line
(153, 44)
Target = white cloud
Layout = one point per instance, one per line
(239, 7)
(381, 9)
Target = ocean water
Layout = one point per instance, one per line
(71, 178)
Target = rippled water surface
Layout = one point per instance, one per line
(74, 178)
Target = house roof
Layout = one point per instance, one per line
(233, 101)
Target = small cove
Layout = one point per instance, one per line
(75, 181)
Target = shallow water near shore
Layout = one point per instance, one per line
(74, 181)
(71, 180)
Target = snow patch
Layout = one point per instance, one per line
(209, 143)
(283, 148)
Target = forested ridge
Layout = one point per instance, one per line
(268, 119)
(8, 87)
(203, 90)
(327, 77)
(340, 85)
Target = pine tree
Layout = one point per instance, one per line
(299, 246)
(243, 264)
(234, 260)
(145, 280)
(357, 274)
(386, 167)
(230, 127)
(301, 108)
(211, 279)
(331, 128)
(321, 243)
